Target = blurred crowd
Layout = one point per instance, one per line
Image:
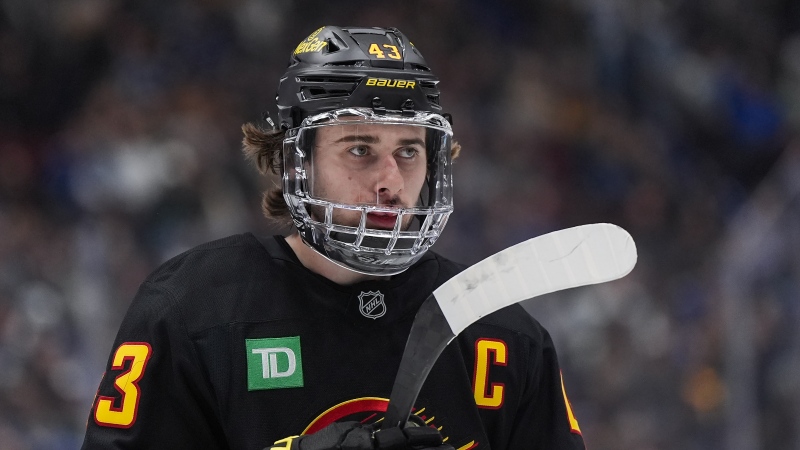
(120, 147)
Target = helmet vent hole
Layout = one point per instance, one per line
(316, 93)
(336, 43)
(345, 64)
(328, 79)
(332, 47)
(326, 86)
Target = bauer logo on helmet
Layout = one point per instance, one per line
(392, 83)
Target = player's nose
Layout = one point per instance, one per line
(390, 180)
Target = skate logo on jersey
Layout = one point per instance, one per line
(274, 363)
(371, 304)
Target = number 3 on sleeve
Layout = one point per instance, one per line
(124, 414)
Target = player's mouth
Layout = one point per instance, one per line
(381, 220)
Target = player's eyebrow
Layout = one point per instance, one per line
(372, 139)
(365, 138)
(412, 141)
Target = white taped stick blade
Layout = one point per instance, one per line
(579, 256)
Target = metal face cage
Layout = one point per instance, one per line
(353, 243)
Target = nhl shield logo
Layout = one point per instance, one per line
(371, 304)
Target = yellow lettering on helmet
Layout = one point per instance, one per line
(375, 50)
(311, 44)
(391, 82)
(315, 33)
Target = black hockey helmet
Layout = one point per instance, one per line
(353, 81)
(342, 67)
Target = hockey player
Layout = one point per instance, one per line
(248, 341)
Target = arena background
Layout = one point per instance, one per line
(677, 120)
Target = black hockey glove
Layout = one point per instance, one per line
(357, 436)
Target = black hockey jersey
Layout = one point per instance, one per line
(234, 345)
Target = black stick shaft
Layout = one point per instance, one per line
(430, 334)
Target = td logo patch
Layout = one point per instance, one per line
(274, 363)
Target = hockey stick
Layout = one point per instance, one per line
(564, 259)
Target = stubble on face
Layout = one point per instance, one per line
(343, 175)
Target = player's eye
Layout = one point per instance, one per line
(358, 150)
(407, 152)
